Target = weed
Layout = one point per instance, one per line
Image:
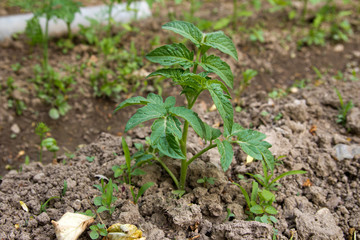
(247, 76)
(16, 67)
(90, 159)
(344, 109)
(53, 89)
(106, 200)
(43, 206)
(51, 145)
(261, 199)
(13, 101)
(256, 34)
(277, 93)
(127, 170)
(278, 116)
(98, 230)
(206, 180)
(167, 137)
(229, 215)
(41, 130)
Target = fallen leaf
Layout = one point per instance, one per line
(212, 108)
(307, 183)
(21, 153)
(124, 232)
(249, 159)
(313, 130)
(23, 205)
(71, 225)
(17, 226)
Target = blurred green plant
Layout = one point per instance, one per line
(344, 109)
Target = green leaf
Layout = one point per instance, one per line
(215, 64)
(254, 191)
(287, 174)
(169, 55)
(257, 209)
(143, 188)
(94, 235)
(267, 195)
(165, 135)
(220, 41)
(246, 195)
(185, 29)
(102, 209)
(126, 153)
(271, 210)
(132, 101)
(192, 117)
(173, 73)
(211, 133)
(138, 172)
(97, 201)
(226, 152)
(144, 114)
(33, 31)
(223, 105)
(54, 113)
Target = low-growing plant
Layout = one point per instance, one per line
(168, 139)
(13, 101)
(53, 89)
(49, 9)
(127, 170)
(106, 200)
(41, 130)
(261, 199)
(256, 34)
(344, 109)
(43, 206)
(247, 76)
(206, 180)
(98, 230)
(229, 215)
(51, 145)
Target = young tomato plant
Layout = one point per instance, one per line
(190, 71)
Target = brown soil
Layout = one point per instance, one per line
(334, 194)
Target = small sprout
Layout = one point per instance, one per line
(106, 200)
(230, 216)
(98, 230)
(206, 180)
(344, 109)
(178, 193)
(43, 206)
(90, 159)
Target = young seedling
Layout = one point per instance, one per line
(107, 198)
(260, 201)
(247, 76)
(206, 180)
(98, 230)
(344, 109)
(19, 105)
(51, 145)
(230, 216)
(43, 206)
(171, 123)
(127, 171)
(41, 130)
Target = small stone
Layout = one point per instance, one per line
(339, 48)
(356, 54)
(39, 177)
(43, 218)
(15, 128)
(353, 120)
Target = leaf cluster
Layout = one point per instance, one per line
(344, 109)
(128, 170)
(107, 198)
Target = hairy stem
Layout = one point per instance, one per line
(200, 153)
(168, 171)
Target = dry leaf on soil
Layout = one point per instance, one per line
(71, 225)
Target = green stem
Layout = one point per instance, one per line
(234, 17)
(304, 13)
(109, 20)
(40, 153)
(70, 35)
(45, 45)
(168, 171)
(201, 153)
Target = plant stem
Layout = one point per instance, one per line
(40, 153)
(45, 46)
(168, 171)
(109, 20)
(303, 16)
(201, 153)
(70, 35)
(234, 17)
